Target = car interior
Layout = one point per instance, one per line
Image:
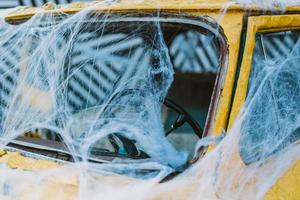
(194, 53)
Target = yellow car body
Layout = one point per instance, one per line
(232, 18)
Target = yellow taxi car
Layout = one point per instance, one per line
(222, 54)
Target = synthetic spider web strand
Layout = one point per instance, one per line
(268, 4)
(208, 177)
(55, 58)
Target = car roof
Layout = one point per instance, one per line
(150, 5)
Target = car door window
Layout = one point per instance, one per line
(273, 96)
(108, 85)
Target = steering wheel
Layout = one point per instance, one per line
(183, 117)
(129, 145)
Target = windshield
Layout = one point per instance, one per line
(102, 86)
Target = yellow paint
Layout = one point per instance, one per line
(17, 161)
(146, 5)
(2, 152)
(125, 5)
(287, 187)
(257, 24)
(33, 134)
(232, 25)
(231, 22)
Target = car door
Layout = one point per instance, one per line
(268, 94)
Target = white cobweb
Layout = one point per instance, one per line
(45, 62)
(268, 4)
(50, 62)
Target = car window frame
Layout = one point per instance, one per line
(201, 22)
(257, 24)
(263, 24)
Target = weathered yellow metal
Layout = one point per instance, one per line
(287, 187)
(146, 5)
(232, 23)
(124, 6)
(257, 24)
(17, 161)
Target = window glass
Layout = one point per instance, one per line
(132, 82)
(270, 122)
(196, 59)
